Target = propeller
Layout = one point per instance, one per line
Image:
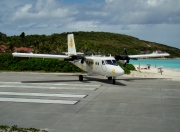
(82, 59)
(125, 51)
(125, 57)
(76, 57)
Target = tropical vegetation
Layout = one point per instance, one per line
(8, 63)
(15, 128)
(95, 42)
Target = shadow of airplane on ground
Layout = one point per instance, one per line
(133, 79)
(88, 79)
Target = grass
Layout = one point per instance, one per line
(15, 128)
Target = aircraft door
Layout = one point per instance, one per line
(103, 66)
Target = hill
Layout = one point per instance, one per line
(95, 42)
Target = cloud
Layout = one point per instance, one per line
(139, 18)
(110, 12)
(42, 9)
(143, 11)
(37, 13)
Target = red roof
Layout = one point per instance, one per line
(25, 49)
(145, 52)
(159, 51)
(3, 47)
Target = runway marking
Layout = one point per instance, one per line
(49, 86)
(22, 100)
(44, 94)
(26, 96)
(61, 84)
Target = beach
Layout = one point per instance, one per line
(154, 72)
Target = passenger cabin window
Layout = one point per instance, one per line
(96, 63)
(103, 63)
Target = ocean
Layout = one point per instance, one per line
(166, 63)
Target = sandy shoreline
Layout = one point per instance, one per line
(153, 73)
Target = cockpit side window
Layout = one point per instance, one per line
(114, 62)
(111, 62)
(108, 62)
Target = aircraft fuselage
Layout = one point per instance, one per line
(106, 66)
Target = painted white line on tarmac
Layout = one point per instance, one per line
(47, 87)
(60, 84)
(22, 100)
(44, 94)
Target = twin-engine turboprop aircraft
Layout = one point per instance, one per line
(105, 66)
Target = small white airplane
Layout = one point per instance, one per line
(101, 65)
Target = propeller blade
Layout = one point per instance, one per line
(128, 60)
(82, 60)
(125, 51)
(124, 64)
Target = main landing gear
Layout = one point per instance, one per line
(109, 78)
(113, 81)
(80, 77)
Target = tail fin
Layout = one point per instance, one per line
(71, 45)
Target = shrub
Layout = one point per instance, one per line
(127, 69)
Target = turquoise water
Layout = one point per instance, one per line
(170, 64)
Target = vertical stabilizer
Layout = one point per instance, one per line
(71, 45)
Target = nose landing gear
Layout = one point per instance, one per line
(113, 79)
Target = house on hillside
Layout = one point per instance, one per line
(154, 52)
(3, 48)
(144, 52)
(23, 49)
(158, 52)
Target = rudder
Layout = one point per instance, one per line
(71, 45)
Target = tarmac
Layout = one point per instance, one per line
(60, 103)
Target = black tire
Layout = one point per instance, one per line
(80, 78)
(114, 81)
(109, 78)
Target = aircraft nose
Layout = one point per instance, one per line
(118, 71)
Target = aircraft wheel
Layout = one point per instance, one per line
(114, 81)
(80, 78)
(109, 78)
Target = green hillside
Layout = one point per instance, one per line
(95, 42)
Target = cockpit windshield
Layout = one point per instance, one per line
(111, 62)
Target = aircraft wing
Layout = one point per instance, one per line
(78, 53)
(31, 55)
(148, 55)
(90, 58)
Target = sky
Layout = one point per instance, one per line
(151, 20)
